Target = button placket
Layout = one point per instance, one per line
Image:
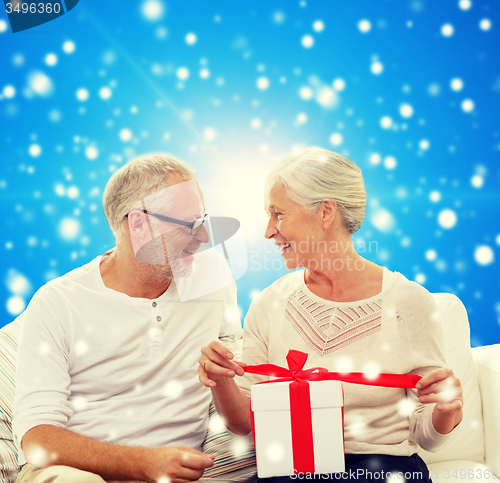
(155, 340)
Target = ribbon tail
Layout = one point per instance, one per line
(405, 381)
(268, 370)
(302, 431)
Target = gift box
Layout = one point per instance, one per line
(298, 420)
(304, 442)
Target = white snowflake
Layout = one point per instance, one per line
(38, 456)
(406, 110)
(79, 403)
(467, 105)
(209, 134)
(9, 91)
(255, 123)
(456, 84)
(485, 24)
(105, 93)
(81, 347)
(15, 305)
(307, 41)
(126, 135)
(274, 451)
(377, 68)
(306, 93)
(339, 84)
(69, 47)
(191, 38)
(326, 97)
(40, 83)
(173, 389)
(69, 228)
(357, 427)
(152, 10)
(51, 59)
(371, 370)
(447, 218)
(484, 255)
(301, 118)
(390, 162)
(406, 407)
(73, 192)
(344, 365)
(318, 26)
(386, 122)
(435, 196)
(364, 26)
(336, 139)
(477, 181)
(262, 83)
(82, 94)
(447, 30)
(182, 73)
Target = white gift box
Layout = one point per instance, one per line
(274, 448)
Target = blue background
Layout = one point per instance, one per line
(108, 81)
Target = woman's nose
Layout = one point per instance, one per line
(271, 229)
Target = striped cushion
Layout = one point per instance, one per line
(8, 461)
(234, 455)
(9, 342)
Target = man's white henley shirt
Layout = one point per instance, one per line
(115, 368)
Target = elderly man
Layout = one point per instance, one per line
(107, 385)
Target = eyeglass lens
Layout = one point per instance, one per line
(197, 225)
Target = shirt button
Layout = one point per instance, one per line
(158, 318)
(154, 304)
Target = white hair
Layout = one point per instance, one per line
(136, 180)
(313, 175)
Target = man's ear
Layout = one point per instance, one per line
(137, 224)
(328, 211)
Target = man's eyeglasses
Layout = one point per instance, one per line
(194, 226)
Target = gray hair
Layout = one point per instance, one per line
(136, 180)
(313, 175)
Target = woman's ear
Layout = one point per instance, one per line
(328, 212)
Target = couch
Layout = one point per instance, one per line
(474, 453)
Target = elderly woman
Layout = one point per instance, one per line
(349, 315)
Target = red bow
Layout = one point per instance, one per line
(296, 361)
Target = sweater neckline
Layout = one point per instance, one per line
(388, 280)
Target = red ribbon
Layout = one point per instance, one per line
(300, 401)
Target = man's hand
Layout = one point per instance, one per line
(172, 464)
(441, 386)
(217, 363)
(177, 464)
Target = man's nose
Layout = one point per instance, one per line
(202, 235)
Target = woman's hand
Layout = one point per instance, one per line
(217, 363)
(441, 386)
